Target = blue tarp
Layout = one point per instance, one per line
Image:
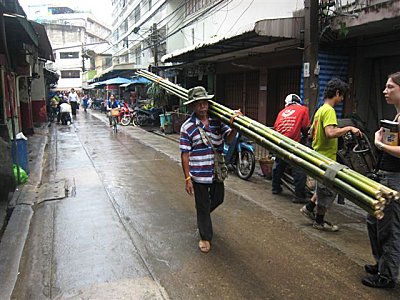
(117, 80)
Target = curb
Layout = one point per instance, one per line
(11, 248)
(16, 231)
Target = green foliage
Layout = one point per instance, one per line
(157, 94)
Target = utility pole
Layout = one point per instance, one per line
(83, 59)
(154, 38)
(310, 55)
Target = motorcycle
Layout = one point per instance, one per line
(149, 117)
(127, 115)
(240, 155)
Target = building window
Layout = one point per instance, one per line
(71, 74)
(67, 55)
(138, 54)
(137, 13)
(193, 6)
(107, 62)
(126, 42)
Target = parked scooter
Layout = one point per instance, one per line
(240, 155)
(127, 115)
(149, 117)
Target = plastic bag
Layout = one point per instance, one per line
(23, 177)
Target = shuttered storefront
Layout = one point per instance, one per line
(281, 82)
(239, 90)
(330, 66)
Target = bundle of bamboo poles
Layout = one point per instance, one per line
(364, 192)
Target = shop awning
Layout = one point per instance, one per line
(136, 80)
(252, 38)
(117, 80)
(17, 26)
(51, 76)
(45, 50)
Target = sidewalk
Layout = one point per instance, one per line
(17, 229)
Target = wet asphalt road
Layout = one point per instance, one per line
(128, 231)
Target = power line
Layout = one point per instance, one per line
(191, 22)
(80, 45)
(234, 23)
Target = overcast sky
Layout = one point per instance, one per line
(100, 8)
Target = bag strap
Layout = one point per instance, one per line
(205, 138)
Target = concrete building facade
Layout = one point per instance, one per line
(72, 34)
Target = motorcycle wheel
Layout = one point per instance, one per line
(139, 120)
(125, 120)
(246, 168)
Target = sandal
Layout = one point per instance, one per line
(204, 246)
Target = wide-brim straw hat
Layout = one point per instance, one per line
(196, 94)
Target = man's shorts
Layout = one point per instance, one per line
(325, 196)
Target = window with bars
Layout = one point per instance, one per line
(131, 18)
(138, 55)
(137, 13)
(126, 43)
(193, 6)
(69, 55)
(70, 74)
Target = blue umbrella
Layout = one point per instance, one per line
(117, 80)
(141, 80)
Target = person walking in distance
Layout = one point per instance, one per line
(384, 234)
(111, 104)
(291, 121)
(73, 100)
(197, 157)
(325, 133)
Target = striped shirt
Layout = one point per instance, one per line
(201, 157)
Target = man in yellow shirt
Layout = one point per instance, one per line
(325, 133)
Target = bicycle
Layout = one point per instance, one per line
(114, 119)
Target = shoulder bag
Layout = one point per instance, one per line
(220, 168)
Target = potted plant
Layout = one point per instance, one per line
(266, 164)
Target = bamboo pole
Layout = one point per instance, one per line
(375, 189)
(343, 188)
(366, 188)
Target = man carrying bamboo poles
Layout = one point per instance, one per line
(201, 140)
(325, 133)
(291, 122)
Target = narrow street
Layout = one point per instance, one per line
(127, 230)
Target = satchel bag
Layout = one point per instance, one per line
(220, 168)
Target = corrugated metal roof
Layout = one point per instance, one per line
(253, 35)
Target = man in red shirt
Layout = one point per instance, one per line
(291, 122)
